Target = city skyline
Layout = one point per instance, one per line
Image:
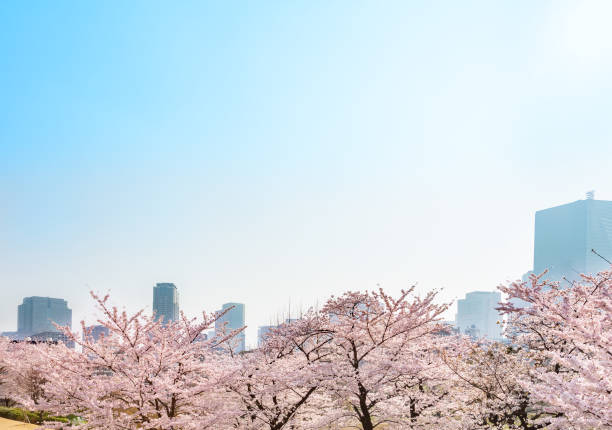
(275, 153)
(563, 224)
(564, 235)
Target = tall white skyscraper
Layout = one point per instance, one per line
(166, 302)
(477, 316)
(566, 234)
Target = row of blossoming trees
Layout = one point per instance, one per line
(365, 360)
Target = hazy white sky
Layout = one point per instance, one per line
(274, 152)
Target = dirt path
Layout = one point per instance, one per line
(16, 425)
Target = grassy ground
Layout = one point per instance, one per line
(29, 417)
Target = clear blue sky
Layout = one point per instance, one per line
(264, 152)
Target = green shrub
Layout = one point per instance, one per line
(19, 414)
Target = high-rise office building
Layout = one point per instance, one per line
(566, 234)
(165, 302)
(232, 320)
(37, 315)
(477, 314)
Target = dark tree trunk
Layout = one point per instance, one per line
(364, 411)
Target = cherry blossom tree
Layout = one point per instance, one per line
(26, 373)
(426, 393)
(278, 380)
(380, 347)
(568, 335)
(5, 374)
(486, 386)
(144, 375)
(365, 360)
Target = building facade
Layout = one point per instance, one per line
(261, 333)
(232, 320)
(477, 316)
(565, 236)
(165, 302)
(37, 315)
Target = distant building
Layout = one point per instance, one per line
(448, 329)
(13, 335)
(52, 337)
(477, 314)
(566, 234)
(472, 331)
(165, 302)
(261, 333)
(37, 315)
(232, 320)
(98, 331)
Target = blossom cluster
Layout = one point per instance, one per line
(364, 360)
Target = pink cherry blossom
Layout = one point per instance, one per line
(568, 334)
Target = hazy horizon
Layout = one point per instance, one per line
(271, 153)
